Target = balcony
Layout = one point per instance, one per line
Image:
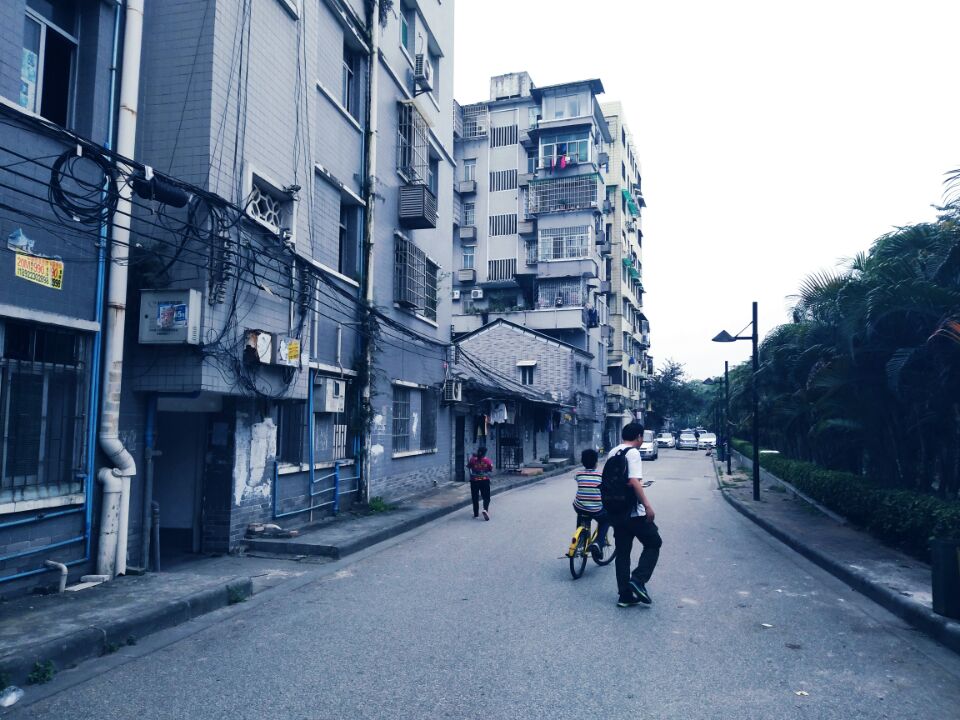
(418, 207)
(466, 187)
(466, 275)
(523, 179)
(565, 318)
(605, 287)
(468, 233)
(527, 227)
(564, 194)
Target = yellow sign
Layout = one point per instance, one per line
(42, 271)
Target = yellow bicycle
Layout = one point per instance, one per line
(580, 544)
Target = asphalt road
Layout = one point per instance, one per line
(467, 619)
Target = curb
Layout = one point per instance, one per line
(95, 641)
(926, 621)
(286, 547)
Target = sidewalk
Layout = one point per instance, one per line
(73, 626)
(895, 581)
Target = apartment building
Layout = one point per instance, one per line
(529, 234)
(628, 361)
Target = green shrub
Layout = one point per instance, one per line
(900, 518)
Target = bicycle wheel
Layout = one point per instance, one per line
(608, 550)
(578, 561)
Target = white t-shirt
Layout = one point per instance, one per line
(634, 470)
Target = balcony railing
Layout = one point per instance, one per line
(579, 192)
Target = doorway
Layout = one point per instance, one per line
(178, 479)
(459, 452)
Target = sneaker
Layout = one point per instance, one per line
(627, 601)
(640, 591)
(595, 551)
(486, 515)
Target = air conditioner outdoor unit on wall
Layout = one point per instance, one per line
(477, 293)
(455, 294)
(452, 391)
(331, 395)
(423, 73)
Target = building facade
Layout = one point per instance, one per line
(529, 231)
(628, 361)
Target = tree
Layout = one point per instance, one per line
(672, 396)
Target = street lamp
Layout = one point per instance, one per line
(724, 336)
(725, 425)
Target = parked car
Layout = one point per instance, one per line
(649, 450)
(666, 440)
(707, 441)
(687, 441)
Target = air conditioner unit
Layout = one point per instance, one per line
(477, 293)
(423, 73)
(455, 295)
(452, 391)
(331, 397)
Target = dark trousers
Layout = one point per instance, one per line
(649, 536)
(480, 488)
(602, 523)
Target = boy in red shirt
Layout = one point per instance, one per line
(480, 469)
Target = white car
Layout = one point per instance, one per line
(687, 441)
(649, 449)
(666, 440)
(707, 441)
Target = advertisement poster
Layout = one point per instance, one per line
(171, 315)
(28, 79)
(42, 271)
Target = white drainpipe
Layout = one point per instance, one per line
(112, 549)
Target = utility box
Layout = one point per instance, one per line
(946, 577)
(170, 317)
(330, 395)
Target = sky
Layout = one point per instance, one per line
(777, 138)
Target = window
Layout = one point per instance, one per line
(531, 161)
(559, 150)
(349, 241)
(562, 194)
(47, 59)
(469, 257)
(533, 114)
(470, 169)
(503, 180)
(565, 243)
(429, 406)
(526, 374)
(561, 293)
(503, 224)
(413, 144)
(401, 419)
(349, 94)
(406, 29)
(269, 205)
(291, 420)
(567, 105)
(433, 173)
(415, 278)
(470, 213)
(503, 136)
(42, 411)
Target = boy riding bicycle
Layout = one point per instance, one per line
(587, 502)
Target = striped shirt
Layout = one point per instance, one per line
(588, 492)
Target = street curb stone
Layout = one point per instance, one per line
(941, 629)
(342, 550)
(94, 641)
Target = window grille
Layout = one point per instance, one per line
(580, 192)
(476, 120)
(413, 144)
(560, 293)
(401, 419)
(469, 213)
(291, 422)
(503, 224)
(531, 253)
(503, 136)
(415, 278)
(499, 270)
(565, 243)
(267, 205)
(503, 180)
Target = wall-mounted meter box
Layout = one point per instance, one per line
(170, 317)
(329, 395)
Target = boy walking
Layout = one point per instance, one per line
(588, 502)
(633, 519)
(480, 469)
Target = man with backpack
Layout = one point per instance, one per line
(632, 516)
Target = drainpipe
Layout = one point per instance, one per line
(311, 433)
(148, 455)
(53, 565)
(112, 552)
(368, 245)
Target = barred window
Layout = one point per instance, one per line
(503, 136)
(269, 206)
(503, 180)
(499, 270)
(413, 144)
(291, 422)
(503, 224)
(565, 243)
(563, 194)
(42, 409)
(564, 292)
(401, 419)
(415, 278)
(429, 404)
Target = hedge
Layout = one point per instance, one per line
(901, 518)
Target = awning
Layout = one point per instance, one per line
(631, 204)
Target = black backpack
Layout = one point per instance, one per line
(617, 497)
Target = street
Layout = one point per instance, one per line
(467, 619)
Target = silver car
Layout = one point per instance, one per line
(648, 448)
(687, 441)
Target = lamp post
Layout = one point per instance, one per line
(724, 336)
(724, 422)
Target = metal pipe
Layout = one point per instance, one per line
(148, 455)
(726, 414)
(38, 571)
(311, 430)
(40, 516)
(336, 487)
(756, 408)
(109, 520)
(113, 560)
(370, 195)
(54, 565)
(155, 527)
(38, 550)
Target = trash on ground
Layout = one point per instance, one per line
(10, 695)
(766, 625)
(801, 693)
